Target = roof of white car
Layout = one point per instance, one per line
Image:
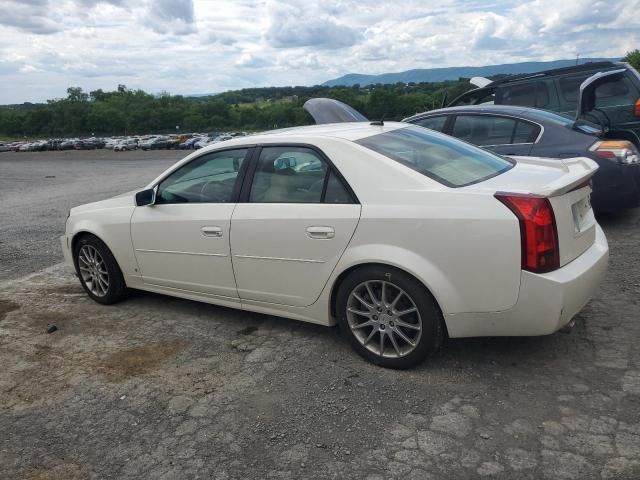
(351, 131)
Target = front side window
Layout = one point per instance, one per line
(295, 175)
(433, 123)
(207, 179)
(442, 158)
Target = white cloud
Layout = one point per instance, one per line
(198, 46)
(305, 25)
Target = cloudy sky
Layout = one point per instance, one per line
(202, 46)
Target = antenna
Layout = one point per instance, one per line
(380, 122)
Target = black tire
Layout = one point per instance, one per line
(117, 289)
(430, 317)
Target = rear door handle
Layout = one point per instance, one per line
(211, 231)
(321, 232)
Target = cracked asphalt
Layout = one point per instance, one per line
(158, 387)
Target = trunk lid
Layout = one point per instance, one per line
(566, 184)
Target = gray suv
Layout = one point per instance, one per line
(605, 93)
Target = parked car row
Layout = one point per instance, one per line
(54, 144)
(190, 141)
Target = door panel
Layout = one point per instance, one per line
(182, 241)
(185, 246)
(284, 253)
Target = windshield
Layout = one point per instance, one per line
(445, 159)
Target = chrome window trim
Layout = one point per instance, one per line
(489, 114)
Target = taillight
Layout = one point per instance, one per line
(636, 108)
(620, 151)
(538, 231)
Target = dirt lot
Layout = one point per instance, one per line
(165, 388)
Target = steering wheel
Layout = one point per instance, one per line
(204, 198)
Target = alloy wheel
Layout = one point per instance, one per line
(384, 318)
(93, 270)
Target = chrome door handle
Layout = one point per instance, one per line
(321, 232)
(211, 231)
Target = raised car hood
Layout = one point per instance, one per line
(541, 176)
(122, 200)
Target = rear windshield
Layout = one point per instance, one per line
(440, 157)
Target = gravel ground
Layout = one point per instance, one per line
(37, 189)
(157, 387)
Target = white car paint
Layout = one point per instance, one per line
(461, 243)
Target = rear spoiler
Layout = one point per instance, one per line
(577, 170)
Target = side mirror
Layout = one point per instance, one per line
(146, 197)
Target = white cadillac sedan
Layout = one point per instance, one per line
(399, 234)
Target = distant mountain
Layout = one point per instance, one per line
(454, 73)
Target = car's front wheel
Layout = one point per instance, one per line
(98, 270)
(390, 318)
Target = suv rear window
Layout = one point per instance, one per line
(440, 157)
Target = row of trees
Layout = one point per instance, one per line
(125, 111)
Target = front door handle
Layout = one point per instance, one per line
(321, 232)
(211, 231)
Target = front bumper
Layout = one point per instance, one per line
(546, 302)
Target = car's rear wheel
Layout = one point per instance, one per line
(98, 271)
(389, 317)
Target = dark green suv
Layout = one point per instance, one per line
(605, 93)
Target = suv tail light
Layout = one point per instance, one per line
(538, 231)
(621, 151)
(636, 108)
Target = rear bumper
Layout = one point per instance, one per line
(546, 303)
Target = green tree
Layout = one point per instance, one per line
(633, 58)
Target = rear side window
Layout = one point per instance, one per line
(525, 132)
(434, 123)
(295, 174)
(336, 191)
(570, 88)
(484, 129)
(530, 94)
(442, 158)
